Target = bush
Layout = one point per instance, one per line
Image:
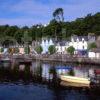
(71, 50)
(52, 49)
(2, 50)
(16, 50)
(39, 49)
(92, 45)
(27, 50)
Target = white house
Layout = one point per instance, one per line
(5, 50)
(94, 53)
(45, 44)
(21, 50)
(80, 43)
(61, 47)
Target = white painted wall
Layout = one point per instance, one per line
(97, 55)
(79, 45)
(94, 55)
(91, 54)
(21, 50)
(61, 49)
(45, 45)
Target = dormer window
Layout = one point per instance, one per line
(72, 39)
(83, 47)
(83, 40)
(77, 40)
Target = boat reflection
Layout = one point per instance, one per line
(42, 72)
(44, 76)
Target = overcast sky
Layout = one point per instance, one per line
(29, 12)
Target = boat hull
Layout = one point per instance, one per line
(74, 81)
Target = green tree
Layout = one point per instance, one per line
(39, 49)
(52, 49)
(56, 28)
(16, 50)
(11, 30)
(2, 50)
(26, 38)
(58, 14)
(92, 45)
(27, 50)
(18, 35)
(71, 50)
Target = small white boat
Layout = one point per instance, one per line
(74, 81)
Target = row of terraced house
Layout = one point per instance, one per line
(80, 43)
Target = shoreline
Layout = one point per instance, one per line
(53, 58)
(80, 60)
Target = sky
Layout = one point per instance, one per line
(30, 12)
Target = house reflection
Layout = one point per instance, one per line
(41, 72)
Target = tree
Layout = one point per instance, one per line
(63, 33)
(54, 28)
(71, 50)
(18, 35)
(58, 14)
(11, 30)
(16, 50)
(27, 50)
(1, 49)
(39, 49)
(92, 45)
(80, 27)
(26, 38)
(52, 49)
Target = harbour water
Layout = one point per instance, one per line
(38, 81)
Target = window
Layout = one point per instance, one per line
(83, 47)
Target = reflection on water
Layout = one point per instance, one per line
(39, 81)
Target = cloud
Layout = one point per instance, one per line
(26, 12)
(39, 8)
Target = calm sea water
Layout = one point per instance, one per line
(37, 82)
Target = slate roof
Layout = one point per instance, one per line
(80, 38)
(96, 50)
(58, 41)
(61, 43)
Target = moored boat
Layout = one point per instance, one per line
(74, 81)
